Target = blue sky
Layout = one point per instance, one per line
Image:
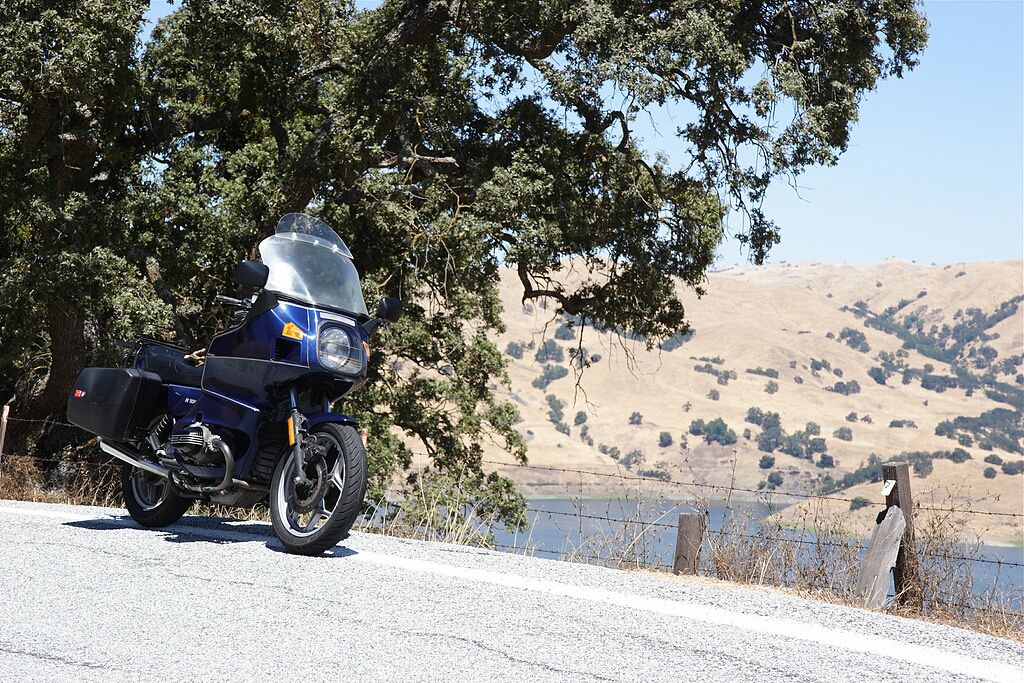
(935, 168)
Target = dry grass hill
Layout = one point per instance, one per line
(803, 326)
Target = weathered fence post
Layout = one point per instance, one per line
(689, 538)
(873, 578)
(906, 574)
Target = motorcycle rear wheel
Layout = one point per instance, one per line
(311, 519)
(152, 500)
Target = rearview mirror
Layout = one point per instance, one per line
(389, 309)
(252, 274)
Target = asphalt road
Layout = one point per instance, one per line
(87, 595)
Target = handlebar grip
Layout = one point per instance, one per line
(230, 301)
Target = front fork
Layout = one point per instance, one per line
(296, 434)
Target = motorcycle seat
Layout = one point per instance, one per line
(171, 366)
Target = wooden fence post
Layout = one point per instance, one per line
(906, 574)
(689, 538)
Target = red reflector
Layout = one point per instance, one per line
(79, 393)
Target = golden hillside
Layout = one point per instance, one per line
(786, 318)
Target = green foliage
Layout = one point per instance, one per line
(632, 458)
(515, 349)
(442, 141)
(859, 502)
(825, 461)
(771, 387)
(549, 375)
(877, 374)
(812, 429)
(555, 406)
(923, 467)
(698, 428)
(900, 424)
(655, 474)
(550, 352)
(852, 417)
(636, 418)
(843, 434)
(755, 416)
(998, 427)
(770, 372)
(990, 473)
(723, 376)
(767, 462)
(855, 339)
(845, 388)
(581, 417)
(775, 479)
(665, 439)
(718, 431)
(562, 427)
(1012, 468)
(993, 459)
(714, 395)
(717, 360)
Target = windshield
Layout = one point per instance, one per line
(310, 263)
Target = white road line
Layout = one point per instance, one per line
(908, 652)
(849, 640)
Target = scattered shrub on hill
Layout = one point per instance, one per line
(993, 459)
(792, 444)
(859, 502)
(878, 374)
(718, 430)
(697, 427)
(818, 365)
(565, 333)
(938, 383)
(632, 458)
(714, 395)
(1013, 467)
(867, 418)
(845, 388)
(555, 406)
(957, 455)
(923, 468)
(812, 429)
(655, 474)
(665, 439)
(837, 372)
(747, 434)
(798, 379)
(900, 424)
(771, 387)
(816, 445)
(551, 373)
(1000, 427)
(826, 462)
(717, 360)
(768, 372)
(965, 440)
(843, 434)
(636, 418)
(990, 473)
(755, 416)
(767, 462)
(515, 349)
(549, 352)
(562, 427)
(852, 417)
(855, 339)
(775, 479)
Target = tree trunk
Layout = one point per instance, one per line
(67, 358)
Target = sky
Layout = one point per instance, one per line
(934, 172)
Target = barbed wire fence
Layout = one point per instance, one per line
(748, 543)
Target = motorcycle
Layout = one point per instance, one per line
(252, 423)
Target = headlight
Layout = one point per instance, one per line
(338, 349)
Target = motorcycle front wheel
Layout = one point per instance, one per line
(309, 519)
(152, 500)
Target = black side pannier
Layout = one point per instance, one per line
(114, 402)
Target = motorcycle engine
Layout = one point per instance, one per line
(195, 445)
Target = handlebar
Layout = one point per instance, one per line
(229, 301)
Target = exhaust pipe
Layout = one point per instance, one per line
(121, 453)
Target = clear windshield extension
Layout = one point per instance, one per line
(310, 263)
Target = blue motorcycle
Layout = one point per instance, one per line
(253, 421)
